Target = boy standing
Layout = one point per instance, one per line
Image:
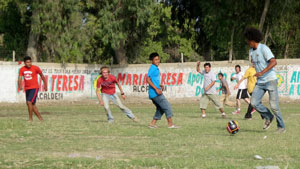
(30, 73)
(210, 92)
(106, 83)
(225, 91)
(242, 92)
(156, 95)
(264, 63)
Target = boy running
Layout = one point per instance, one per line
(264, 63)
(156, 95)
(242, 92)
(251, 79)
(106, 83)
(30, 72)
(225, 91)
(210, 92)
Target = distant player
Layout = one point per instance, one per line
(155, 94)
(242, 92)
(30, 72)
(106, 83)
(210, 92)
(264, 63)
(225, 91)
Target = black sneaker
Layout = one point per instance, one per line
(268, 123)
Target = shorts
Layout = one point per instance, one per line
(242, 94)
(31, 95)
(205, 98)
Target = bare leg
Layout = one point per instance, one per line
(170, 122)
(203, 111)
(153, 122)
(247, 100)
(36, 111)
(221, 110)
(30, 109)
(238, 104)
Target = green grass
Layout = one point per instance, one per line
(78, 136)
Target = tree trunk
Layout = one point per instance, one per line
(32, 46)
(120, 54)
(231, 46)
(264, 14)
(266, 35)
(286, 51)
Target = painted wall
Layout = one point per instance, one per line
(73, 82)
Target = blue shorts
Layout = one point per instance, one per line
(31, 95)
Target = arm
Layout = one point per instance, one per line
(20, 83)
(272, 64)
(198, 67)
(238, 84)
(98, 96)
(227, 89)
(210, 85)
(44, 80)
(158, 91)
(121, 90)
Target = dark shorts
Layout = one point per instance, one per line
(242, 94)
(31, 95)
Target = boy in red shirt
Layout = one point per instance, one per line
(30, 73)
(106, 83)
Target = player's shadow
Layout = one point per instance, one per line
(97, 121)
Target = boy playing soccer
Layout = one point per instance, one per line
(264, 63)
(210, 92)
(225, 91)
(106, 83)
(156, 95)
(30, 73)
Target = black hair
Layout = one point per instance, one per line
(153, 55)
(27, 58)
(220, 74)
(207, 64)
(238, 66)
(253, 34)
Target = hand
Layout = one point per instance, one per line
(228, 93)
(101, 103)
(162, 87)
(206, 89)
(20, 88)
(158, 91)
(46, 88)
(198, 63)
(235, 87)
(258, 74)
(123, 97)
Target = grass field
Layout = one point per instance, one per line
(78, 136)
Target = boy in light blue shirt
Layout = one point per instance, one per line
(264, 63)
(156, 95)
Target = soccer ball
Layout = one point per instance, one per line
(233, 127)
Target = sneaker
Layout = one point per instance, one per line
(248, 118)
(253, 111)
(203, 115)
(223, 115)
(280, 130)
(236, 112)
(110, 121)
(268, 123)
(152, 126)
(135, 119)
(173, 127)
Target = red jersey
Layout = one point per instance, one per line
(30, 76)
(107, 85)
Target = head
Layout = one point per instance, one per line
(154, 57)
(220, 76)
(253, 36)
(27, 61)
(207, 67)
(104, 71)
(237, 68)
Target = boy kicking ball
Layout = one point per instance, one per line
(156, 95)
(106, 83)
(30, 73)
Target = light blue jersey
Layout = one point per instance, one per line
(154, 75)
(261, 57)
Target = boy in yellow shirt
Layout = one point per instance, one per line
(250, 76)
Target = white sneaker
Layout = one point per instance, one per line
(203, 115)
(173, 127)
(223, 115)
